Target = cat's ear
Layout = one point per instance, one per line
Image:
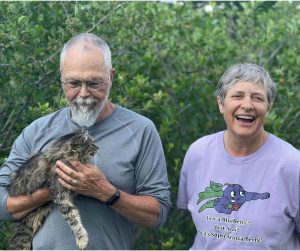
(82, 132)
(85, 136)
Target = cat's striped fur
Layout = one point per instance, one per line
(39, 172)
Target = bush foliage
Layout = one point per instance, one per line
(168, 57)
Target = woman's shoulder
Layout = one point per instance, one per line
(207, 141)
(281, 147)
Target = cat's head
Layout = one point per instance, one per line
(79, 145)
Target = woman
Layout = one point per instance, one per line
(242, 185)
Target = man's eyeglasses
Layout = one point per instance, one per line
(90, 85)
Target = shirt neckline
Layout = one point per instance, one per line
(245, 159)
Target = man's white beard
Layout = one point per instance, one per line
(85, 111)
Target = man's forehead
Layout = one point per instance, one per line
(84, 46)
(81, 52)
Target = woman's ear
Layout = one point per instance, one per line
(270, 107)
(220, 104)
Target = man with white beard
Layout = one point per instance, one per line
(127, 183)
(83, 114)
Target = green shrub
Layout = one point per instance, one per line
(168, 58)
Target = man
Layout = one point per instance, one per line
(127, 183)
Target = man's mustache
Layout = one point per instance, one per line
(85, 101)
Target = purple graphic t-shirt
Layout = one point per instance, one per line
(250, 202)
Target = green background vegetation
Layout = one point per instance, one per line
(168, 58)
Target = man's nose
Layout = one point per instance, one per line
(84, 91)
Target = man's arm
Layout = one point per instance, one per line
(12, 207)
(20, 206)
(138, 209)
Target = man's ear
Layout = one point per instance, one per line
(221, 106)
(112, 74)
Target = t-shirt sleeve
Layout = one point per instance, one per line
(297, 221)
(19, 154)
(297, 218)
(151, 172)
(182, 197)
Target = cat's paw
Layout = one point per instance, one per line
(82, 241)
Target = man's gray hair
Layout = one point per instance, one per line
(88, 38)
(246, 72)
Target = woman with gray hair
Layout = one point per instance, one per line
(242, 185)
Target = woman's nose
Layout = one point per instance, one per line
(247, 103)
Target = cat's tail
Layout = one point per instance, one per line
(22, 236)
(25, 229)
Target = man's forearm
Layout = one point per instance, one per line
(141, 210)
(20, 206)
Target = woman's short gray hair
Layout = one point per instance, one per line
(246, 72)
(88, 38)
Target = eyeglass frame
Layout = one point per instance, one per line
(87, 83)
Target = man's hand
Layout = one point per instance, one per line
(20, 206)
(90, 180)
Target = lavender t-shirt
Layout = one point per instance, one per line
(247, 202)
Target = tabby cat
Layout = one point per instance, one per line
(39, 172)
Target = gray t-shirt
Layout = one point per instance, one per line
(130, 155)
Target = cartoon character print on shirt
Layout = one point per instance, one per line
(231, 199)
